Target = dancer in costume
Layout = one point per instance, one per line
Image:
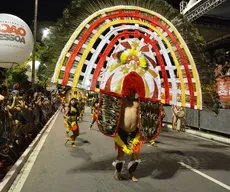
(127, 139)
(178, 115)
(92, 105)
(94, 116)
(71, 123)
(63, 104)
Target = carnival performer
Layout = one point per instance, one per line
(128, 137)
(94, 116)
(178, 114)
(70, 121)
(63, 104)
(92, 105)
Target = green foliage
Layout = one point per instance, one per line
(56, 40)
(219, 52)
(17, 75)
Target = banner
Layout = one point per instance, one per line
(223, 89)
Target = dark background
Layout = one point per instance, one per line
(48, 10)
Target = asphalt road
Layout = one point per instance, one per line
(87, 168)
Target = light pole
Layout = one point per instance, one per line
(35, 36)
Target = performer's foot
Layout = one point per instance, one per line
(152, 143)
(132, 166)
(73, 145)
(117, 176)
(67, 140)
(133, 178)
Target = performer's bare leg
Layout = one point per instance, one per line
(178, 124)
(133, 166)
(118, 164)
(174, 120)
(127, 125)
(91, 125)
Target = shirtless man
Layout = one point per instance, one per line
(127, 139)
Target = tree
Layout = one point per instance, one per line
(17, 75)
(56, 40)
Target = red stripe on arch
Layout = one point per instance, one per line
(109, 48)
(155, 95)
(121, 14)
(183, 58)
(108, 83)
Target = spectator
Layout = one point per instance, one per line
(226, 67)
(218, 71)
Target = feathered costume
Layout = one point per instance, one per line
(71, 121)
(138, 45)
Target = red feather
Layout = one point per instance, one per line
(126, 45)
(145, 48)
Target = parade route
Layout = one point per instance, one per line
(179, 163)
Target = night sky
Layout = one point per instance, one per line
(48, 10)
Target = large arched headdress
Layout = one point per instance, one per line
(132, 45)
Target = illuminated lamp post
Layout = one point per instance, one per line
(34, 50)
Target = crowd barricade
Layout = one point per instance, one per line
(17, 131)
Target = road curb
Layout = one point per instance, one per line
(205, 135)
(15, 170)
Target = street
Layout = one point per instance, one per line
(179, 163)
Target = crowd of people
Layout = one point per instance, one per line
(23, 113)
(222, 70)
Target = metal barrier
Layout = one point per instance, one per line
(204, 119)
(220, 123)
(168, 114)
(192, 118)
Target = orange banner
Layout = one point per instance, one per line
(223, 89)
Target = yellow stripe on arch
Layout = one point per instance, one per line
(121, 7)
(119, 85)
(102, 29)
(147, 90)
(153, 73)
(72, 39)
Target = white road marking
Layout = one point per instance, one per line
(21, 178)
(200, 137)
(212, 141)
(206, 176)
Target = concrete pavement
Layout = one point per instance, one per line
(179, 163)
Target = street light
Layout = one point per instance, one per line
(34, 50)
(45, 33)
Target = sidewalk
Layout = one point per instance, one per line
(202, 134)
